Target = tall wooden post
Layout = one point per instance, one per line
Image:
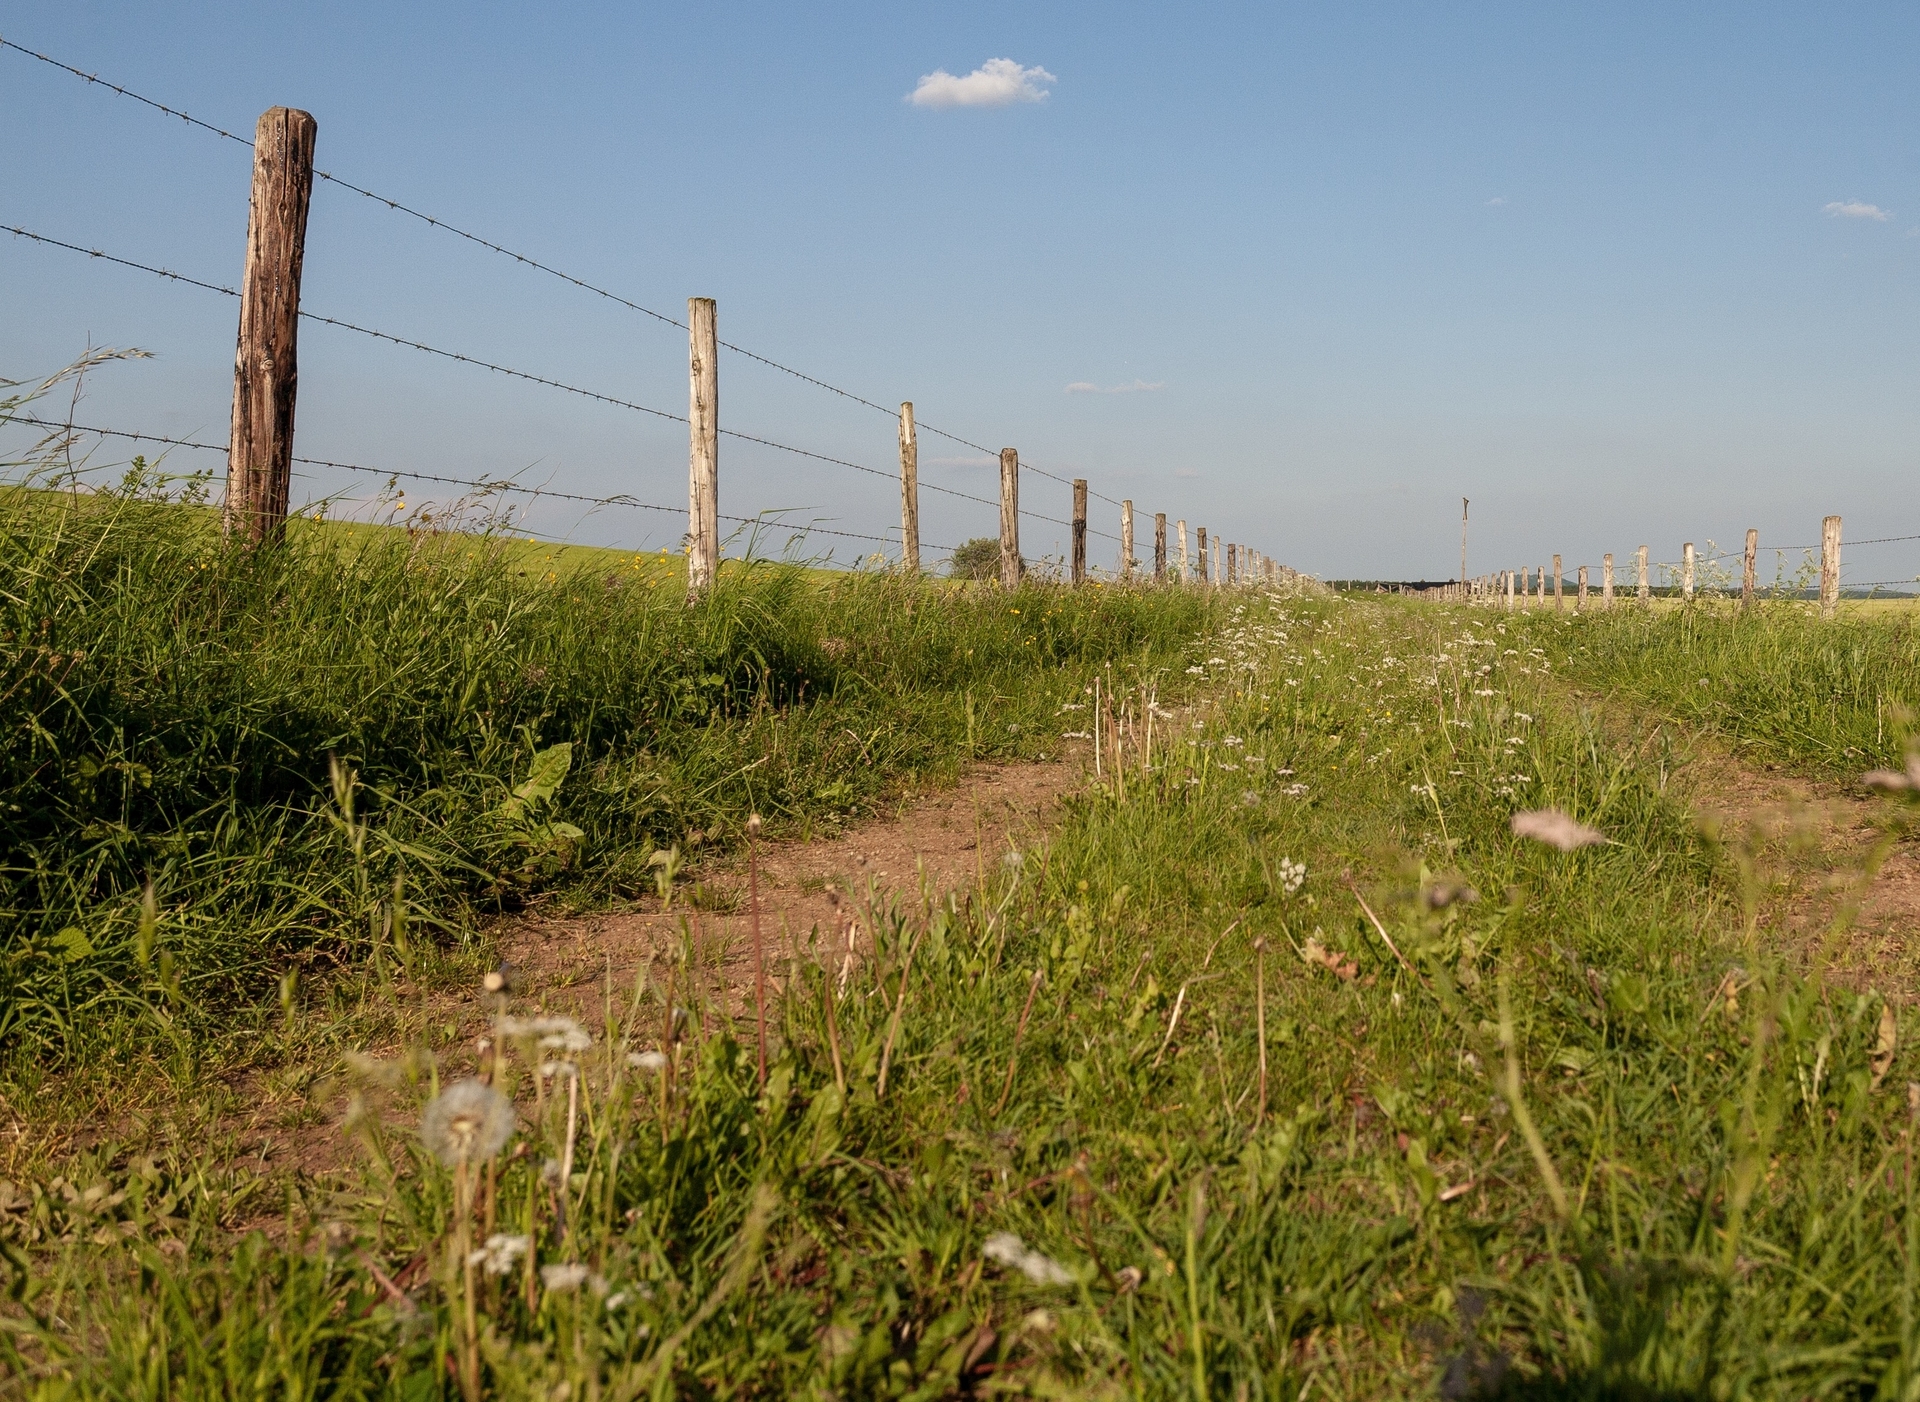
(1078, 559)
(1201, 536)
(1126, 540)
(1746, 573)
(703, 458)
(1186, 560)
(1642, 589)
(1582, 601)
(1829, 566)
(1686, 573)
(1159, 547)
(1010, 518)
(1559, 597)
(265, 363)
(1606, 580)
(1509, 575)
(909, 492)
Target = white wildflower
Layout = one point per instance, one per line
(1292, 874)
(649, 1061)
(563, 1276)
(500, 1253)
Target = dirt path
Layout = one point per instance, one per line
(941, 841)
(1801, 849)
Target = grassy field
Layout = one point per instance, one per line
(1165, 1110)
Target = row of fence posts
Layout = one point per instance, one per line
(265, 381)
(1514, 583)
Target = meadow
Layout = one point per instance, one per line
(1283, 1067)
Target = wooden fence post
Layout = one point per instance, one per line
(1581, 603)
(1510, 604)
(1078, 567)
(909, 492)
(1686, 573)
(1542, 594)
(1233, 565)
(1009, 518)
(1159, 547)
(265, 363)
(1186, 560)
(1559, 597)
(703, 430)
(1829, 566)
(1643, 589)
(1746, 573)
(1606, 580)
(1200, 535)
(1126, 541)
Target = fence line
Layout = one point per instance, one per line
(284, 159)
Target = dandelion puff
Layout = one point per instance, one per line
(1886, 780)
(1006, 1249)
(647, 1061)
(1556, 829)
(500, 1253)
(565, 1069)
(566, 1275)
(562, 1034)
(468, 1122)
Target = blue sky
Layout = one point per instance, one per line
(1605, 270)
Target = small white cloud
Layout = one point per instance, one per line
(999, 82)
(1137, 387)
(1855, 209)
(1497, 199)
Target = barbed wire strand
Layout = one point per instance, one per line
(477, 484)
(523, 259)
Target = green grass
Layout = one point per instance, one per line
(1572, 1140)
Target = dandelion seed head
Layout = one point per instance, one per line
(1556, 829)
(651, 1061)
(566, 1275)
(1006, 1249)
(468, 1122)
(497, 1257)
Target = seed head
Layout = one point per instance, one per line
(753, 825)
(1556, 829)
(468, 1122)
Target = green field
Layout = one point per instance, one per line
(1532, 1122)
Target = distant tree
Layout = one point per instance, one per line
(979, 558)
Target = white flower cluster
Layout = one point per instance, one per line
(1292, 875)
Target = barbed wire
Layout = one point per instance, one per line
(477, 484)
(521, 258)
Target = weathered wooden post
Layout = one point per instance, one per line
(1186, 560)
(909, 493)
(1829, 566)
(1559, 596)
(1686, 573)
(265, 359)
(1126, 541)
(1009, 518)
(1078, 566)
(1200, 535)
(1159, 547)
(1233, 564)
(1606, 580)
(1644, 590)
(1581, 602)
(1746, 572)
(1510, 601)
(703, 431)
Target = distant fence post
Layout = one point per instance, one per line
(909, 492)
(1582, 601)
(1233, 564)
(1200, 535)
(1510, 591)
(1186, 560)
(1643, 589)
(1126, 540)
(1159, 547)
(265, 363)
(1559, 596)
(703, 430)
(1010, 518)
(1079, 558)
(1686, 573)
(1746, 573)
(1606, 580)
(1829, 566)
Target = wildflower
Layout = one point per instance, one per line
(1196, 671)
(468, 1122)
(567, 1069)
(1292, 874)
(1006, 1249)
(500, 1253)
(563, 1276)
(1556, 829)
(652, 1061)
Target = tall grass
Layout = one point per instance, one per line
(223, 762)
(1539, 1123)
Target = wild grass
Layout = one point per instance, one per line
(1162, 1114)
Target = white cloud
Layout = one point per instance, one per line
(999, 82)
(1137, 387)
(1498, 199)
(1855, 209)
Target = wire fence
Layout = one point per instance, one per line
(413, 343)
